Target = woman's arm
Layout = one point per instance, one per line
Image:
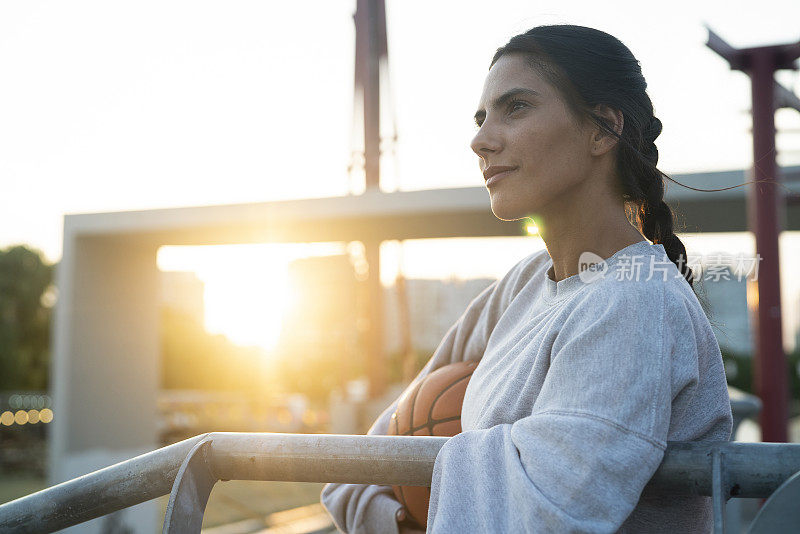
(361, 508)
(596, 434)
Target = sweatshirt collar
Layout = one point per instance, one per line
(556, 291)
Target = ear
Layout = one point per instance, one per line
(602, 141)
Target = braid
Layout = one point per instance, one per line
(655, 222)
(645, 186)
(649, 135)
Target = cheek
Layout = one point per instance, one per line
(551, 149)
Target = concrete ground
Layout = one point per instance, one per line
(310, 519)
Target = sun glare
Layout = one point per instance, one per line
(246, 287)
(247, 305)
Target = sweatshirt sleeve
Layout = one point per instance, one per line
(371, 509)
(596, 434)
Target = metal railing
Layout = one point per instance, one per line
(189, 469)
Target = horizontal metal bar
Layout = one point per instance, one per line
(752, 470)
(743, 408)
(325, 458)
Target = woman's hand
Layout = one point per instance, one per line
(404, 526)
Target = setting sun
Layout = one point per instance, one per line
(246, 288)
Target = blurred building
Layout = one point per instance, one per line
(727, 295)
(183, 291)
(320, 329)
(433, 307)
(323, 313)
(187, 413)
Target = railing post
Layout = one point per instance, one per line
(190, 492)
(719, 490)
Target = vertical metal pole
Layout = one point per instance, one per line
(376, 357)
(371, 95)
(763, 203)
(371, 46)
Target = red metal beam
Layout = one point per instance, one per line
(765, 206)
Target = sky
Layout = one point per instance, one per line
(109, 106)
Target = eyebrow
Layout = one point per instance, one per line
(504, 98)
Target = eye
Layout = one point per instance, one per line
(513, 105)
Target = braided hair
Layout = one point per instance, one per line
(590, 68)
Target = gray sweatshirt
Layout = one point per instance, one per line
(580, 385)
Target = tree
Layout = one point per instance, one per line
(26, 299)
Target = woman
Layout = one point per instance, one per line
(585, 374)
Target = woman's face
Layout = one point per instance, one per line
(524, 125)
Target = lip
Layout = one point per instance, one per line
(495, 174)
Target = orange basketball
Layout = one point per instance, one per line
(431, 408)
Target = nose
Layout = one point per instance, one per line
(485, 142)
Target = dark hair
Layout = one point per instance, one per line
(590, 67)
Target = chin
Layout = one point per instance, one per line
(510, 209)
(508, 212)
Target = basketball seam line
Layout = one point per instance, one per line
(433, 404)
(430, 424)
(413, 403)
